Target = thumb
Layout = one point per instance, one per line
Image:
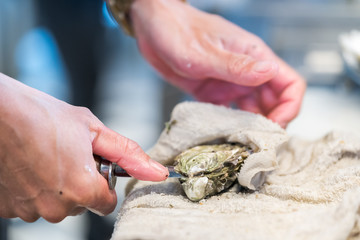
(127, 154)
(240, 69)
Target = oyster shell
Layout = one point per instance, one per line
(210, 169)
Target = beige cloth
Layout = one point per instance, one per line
(197, 123)
(313, 191)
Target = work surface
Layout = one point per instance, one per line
(313, 193)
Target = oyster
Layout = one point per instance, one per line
(210, 169)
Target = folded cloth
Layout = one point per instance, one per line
(313, 191)
(194, 123)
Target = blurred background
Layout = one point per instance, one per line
(75, 52)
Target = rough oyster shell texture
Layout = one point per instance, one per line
(194, 124)
(210, 169)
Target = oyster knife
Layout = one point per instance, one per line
(110, 171)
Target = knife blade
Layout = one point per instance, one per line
(120, 172)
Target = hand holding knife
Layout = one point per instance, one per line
(110, 171)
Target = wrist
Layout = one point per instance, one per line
(124, 10)
(8, 87)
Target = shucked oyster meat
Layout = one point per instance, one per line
(210, 169)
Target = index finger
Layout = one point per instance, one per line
(127, 154)
(240, 69)
(291, 88)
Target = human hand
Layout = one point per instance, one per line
(215, 60)
(46, 155)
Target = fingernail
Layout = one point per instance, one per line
(158, 167)
(263, 66)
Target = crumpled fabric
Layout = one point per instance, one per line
(194, 123)
(311, 189)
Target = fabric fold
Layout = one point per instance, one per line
(310, 190)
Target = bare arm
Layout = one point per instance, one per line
(46, 155)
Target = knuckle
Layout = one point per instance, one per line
(28, 217)
(236, 65)
(129, 146)
(257, 40)
(54, 212)
(216, 17)
(188, 62)
(123, 143)
(184, 65)
(255, 47)
(87, 112)
(86, 116)
(6, 209)
(26, 210)
(55, 217)
(84, 112)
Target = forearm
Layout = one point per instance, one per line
(12, 100)
(21, 104)
(122, 11)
